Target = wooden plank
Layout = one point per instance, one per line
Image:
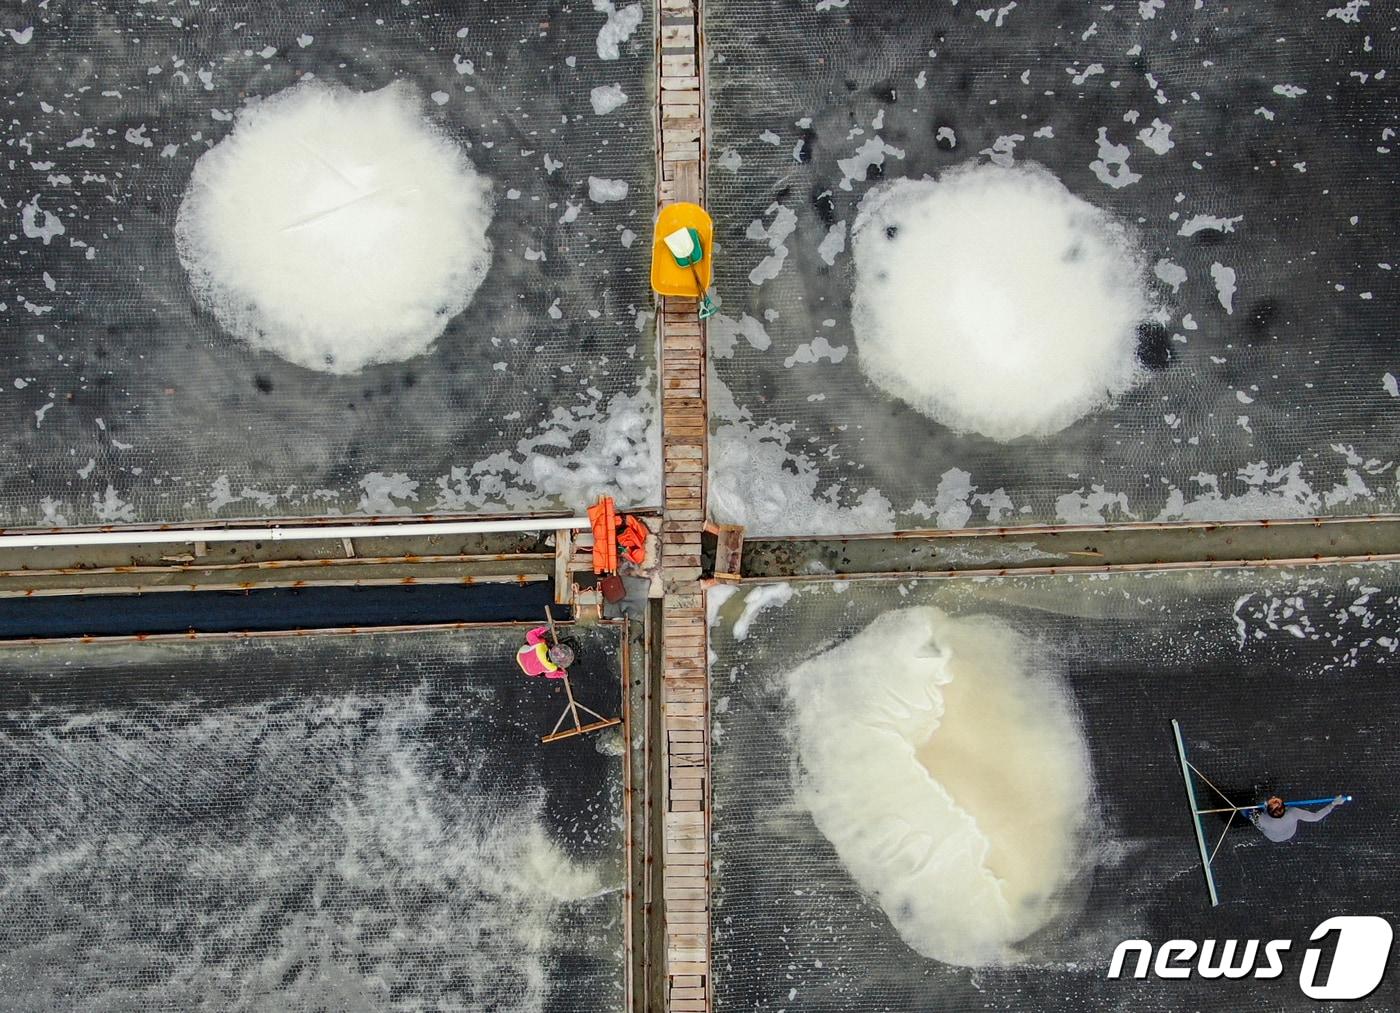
(678, 37)
(686, 873)
(678, 66)
(672, 524)
(685, 725)
(680, 103)
(698, 860)
(688, 938)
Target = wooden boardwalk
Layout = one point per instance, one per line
(685, 691)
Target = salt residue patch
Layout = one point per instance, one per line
(833, 244)
(725, 333)
(765, 596)
(759, 481)
(601, 190)
(39, 223)
(776, 234)
(606, 98)
(617, 29)
(1224, 278)
(335, 228)
(960, 304)
(950, 774)
(579, 453)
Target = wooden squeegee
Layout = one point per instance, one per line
(574, 707)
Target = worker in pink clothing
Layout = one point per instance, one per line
(538, 658)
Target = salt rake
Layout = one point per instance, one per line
(1187, 769)
(574, 707)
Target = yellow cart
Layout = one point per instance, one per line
(688, 278)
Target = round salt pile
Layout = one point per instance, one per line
(335, 228)
(995, 301)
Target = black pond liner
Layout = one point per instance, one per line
(154, 406)
(1264, 710)
(328, 822)
(1312, 178)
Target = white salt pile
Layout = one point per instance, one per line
(951, 776)
(996, 301)
(335, 228)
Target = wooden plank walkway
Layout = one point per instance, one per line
(684, 420)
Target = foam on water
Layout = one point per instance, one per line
(304, 853)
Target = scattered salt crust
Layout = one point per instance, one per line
(1224, 278)
(1170, 273)
(960, 308)
(617, 29)
(1111, 167)
(39, 223)
(858, 165)
(776, 234)
(948, 770)
(1198, 222)
(606, 98)
(758, 480)
(833, 244)
(1157, 137)
(601, 191)
(611, 448)
(764, 596)
(335, 228)
(725, 332)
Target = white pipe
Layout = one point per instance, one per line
(287, 533)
